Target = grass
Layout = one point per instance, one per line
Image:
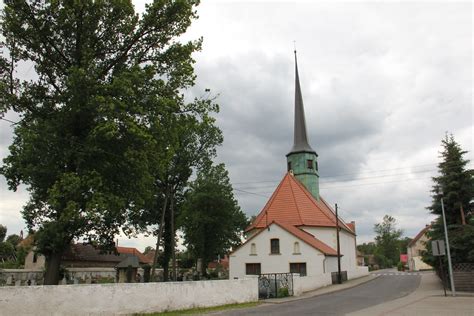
(203, 310)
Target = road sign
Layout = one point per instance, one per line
(438, 248)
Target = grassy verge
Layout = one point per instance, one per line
(203, 310)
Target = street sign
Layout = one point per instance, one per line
(438, 248)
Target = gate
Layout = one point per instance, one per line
(271, 285)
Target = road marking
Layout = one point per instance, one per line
(399, 273)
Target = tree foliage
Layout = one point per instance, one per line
(211, 219)
(3, 232)
(455, 184)
(387, 240)
(108, 81)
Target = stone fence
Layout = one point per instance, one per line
(125, 298)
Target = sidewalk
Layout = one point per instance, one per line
(427, 299)
(323, 290)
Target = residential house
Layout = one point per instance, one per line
(414, 251)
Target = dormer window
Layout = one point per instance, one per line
(309, 162)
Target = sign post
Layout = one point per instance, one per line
(438, 250)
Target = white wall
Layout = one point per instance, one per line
(271, 263)
(347, 244)
(310, 283)
(119, 299)
(358, 272)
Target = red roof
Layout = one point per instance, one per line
(134, 251)
(292, 204)
(421, 233)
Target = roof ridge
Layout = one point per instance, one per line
(294, 199)
(267, 205)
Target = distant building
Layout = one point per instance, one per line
(296, 230)
(415, 249)
(87, 256)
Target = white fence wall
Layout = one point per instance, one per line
(357, 272)
(119, 299)
(309, 283)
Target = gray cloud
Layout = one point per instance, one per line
(382, 83)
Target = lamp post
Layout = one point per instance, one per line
(450, 267)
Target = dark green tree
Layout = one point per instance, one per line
(387, 252)
(211, 219)
(3, 232)
(455, 184)
(106, 77)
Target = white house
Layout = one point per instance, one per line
(296, 229)
(415, 250)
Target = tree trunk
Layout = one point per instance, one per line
(53, 263)
(173, 239)
(160, 234)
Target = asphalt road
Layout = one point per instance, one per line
(382, 289)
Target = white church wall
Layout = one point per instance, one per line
(275, 263)
(347, 244)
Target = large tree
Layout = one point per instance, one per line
(455, 184)
(211, 218)
(106, 76)
(387, 252)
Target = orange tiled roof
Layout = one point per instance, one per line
(292, 204)
(133, 251)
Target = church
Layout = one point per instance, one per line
(296, 229)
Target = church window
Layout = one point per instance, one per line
(252, 268)
(296, 248)
(298, 267)
(316, 165)
(289, 165)
(35, 257)
(253, 249)
(309, 162)
(275, 246)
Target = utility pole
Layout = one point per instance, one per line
(453, 290)
(339, 280)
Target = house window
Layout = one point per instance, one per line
(298, 267)
(309, 162)
(253, 249)
(289, 165)
(275, 246)
(296, 248)
(252, 268)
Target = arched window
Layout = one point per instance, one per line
(296, 248)
(275, 246)
(253, 249)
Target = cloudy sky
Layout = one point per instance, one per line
(382, 83)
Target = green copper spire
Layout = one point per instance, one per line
(302, 159)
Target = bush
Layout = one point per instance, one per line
(400, 266)
(283, 292)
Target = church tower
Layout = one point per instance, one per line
(302, 159)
